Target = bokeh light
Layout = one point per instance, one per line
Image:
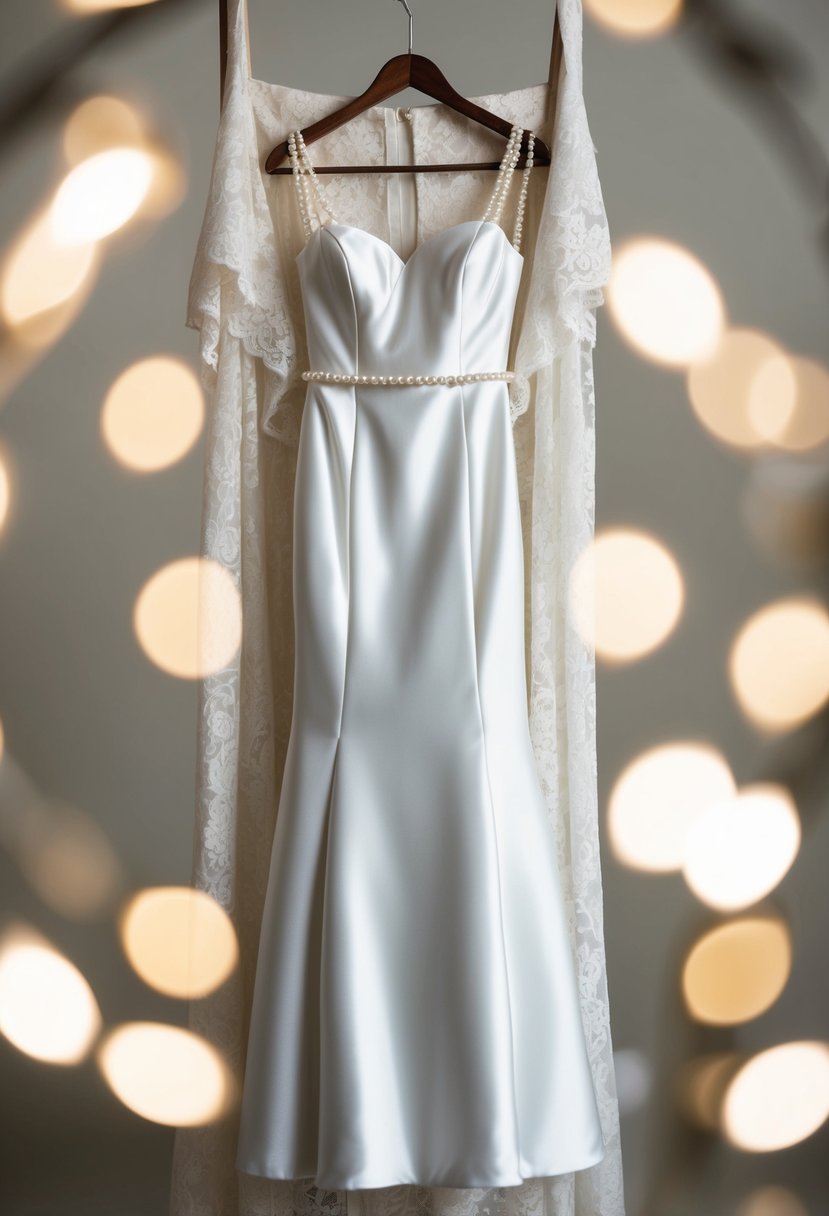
(807, 427)
(59, 848)
(39, 276)
(784, 508)
(168, 186)
(637, 591)
(736, 971)
(664, 302)
(635, 18)
(99, 123)
(5, 490)
(104, 122)
(102, 6)
(701, 1085)
(100, 195)
(772, 1201)
(179, 940)
(778, 1098)
(738, 850)
(188, 618)
(47, 1009)
(778, 664)
(658, 796)
(166, 1074)
(744, 392)
(153, 413)
(69, 861)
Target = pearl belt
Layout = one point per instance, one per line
(367, 378)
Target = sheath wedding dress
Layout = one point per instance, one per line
(415, 1014)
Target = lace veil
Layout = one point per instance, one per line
(244, 301)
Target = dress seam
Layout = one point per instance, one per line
(353, 306)
(335, 764)
(493, 820)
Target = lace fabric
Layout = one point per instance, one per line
(244, 301)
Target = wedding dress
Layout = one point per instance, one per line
(415, 1014)
(432, 1036)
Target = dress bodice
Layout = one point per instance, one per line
(446, 309)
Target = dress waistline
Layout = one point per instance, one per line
(367, 378)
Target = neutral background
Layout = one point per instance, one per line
(92, 721)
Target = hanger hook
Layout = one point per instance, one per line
(411, 21)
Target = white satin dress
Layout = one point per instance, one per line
(415, 1014)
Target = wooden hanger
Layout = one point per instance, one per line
(396, 74)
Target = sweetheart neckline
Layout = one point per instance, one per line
(404, 262)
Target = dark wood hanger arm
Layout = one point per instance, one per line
(400, 72)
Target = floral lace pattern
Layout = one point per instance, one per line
(244, 300)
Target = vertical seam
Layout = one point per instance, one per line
(348, 543)
(493, 817)
(334, 237)
(496, 275)
(320, 1013)
(348, 619)
(462, 277)
(348, 553)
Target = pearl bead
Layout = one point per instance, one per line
(406, 381)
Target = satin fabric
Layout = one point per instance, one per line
(415, 1014)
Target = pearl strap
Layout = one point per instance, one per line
(504, 178)
(366, 378)
(309, 190)
(522, 195)
(301, 166)
(499, 194)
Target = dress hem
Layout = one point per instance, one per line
(555, 1172)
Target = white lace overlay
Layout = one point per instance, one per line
(244, 299)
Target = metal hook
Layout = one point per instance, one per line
(409, 11)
